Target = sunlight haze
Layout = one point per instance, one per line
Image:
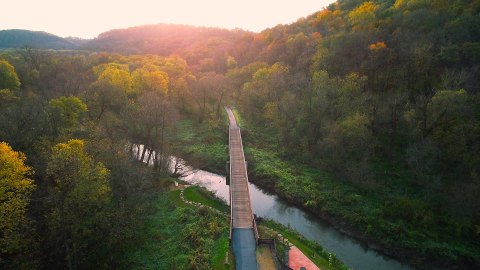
(89, 18)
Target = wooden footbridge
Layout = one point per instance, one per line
(243, 229)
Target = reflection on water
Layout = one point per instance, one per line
(350, 251)
(347, 249)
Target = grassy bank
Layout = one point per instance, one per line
(221, 248)
(204, 145)
(176, 235)
(322, 258)
(315, 252)
(394, 219)
(203, 196)
(371, 217)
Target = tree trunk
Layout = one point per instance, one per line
(131, 148)
(65, 240)
(219, 103)
(155, 161)
(143, 152)
(138, 151)
(149, 156)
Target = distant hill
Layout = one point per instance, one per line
(194, 44)
(163, 39)
(17, 38)
(77, 41)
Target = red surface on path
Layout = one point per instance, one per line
(297, 259)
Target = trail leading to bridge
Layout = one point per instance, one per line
(243, 230)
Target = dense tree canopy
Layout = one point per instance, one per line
(380, 97)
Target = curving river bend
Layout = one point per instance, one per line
(350, 251)
(270, 206)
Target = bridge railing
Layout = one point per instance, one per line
(255, 231)
(230, 189)
(254, 224)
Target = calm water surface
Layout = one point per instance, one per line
(355, 255)
(270, 206)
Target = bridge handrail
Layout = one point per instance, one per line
(255, 231)
(254, 224)
(237, 129)
(230, 189)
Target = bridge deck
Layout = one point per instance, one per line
(243, 230)
(242, 216)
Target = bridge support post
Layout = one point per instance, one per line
(227, 172)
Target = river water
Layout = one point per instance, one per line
(266, 205)
(351, 252)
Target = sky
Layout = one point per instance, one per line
(88, 18)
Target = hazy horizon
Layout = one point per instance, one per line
(90, 18)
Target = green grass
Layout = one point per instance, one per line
(374, 214)
(312, 250)
(213, 155)
(178, 236)
(201, 195)
(221, 245)
(205, 145)
(393, 216)
(240, 121)
(220, 250)
(174, 197)
(387, 209)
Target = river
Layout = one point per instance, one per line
(355, 255)
(266, 205)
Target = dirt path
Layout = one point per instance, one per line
(265, 259)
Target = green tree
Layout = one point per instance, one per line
(152, 118)
(8, 76)
(8, 82)
(64, 115)
(437, 111)
(79, 193)
(349, 142)
(110, 91)
(268, 84)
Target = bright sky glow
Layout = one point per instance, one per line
(88, 18)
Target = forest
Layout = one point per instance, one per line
(366, 113)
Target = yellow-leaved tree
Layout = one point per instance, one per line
(110, 92)
(150, 78)
(8, 82)
(15, 191)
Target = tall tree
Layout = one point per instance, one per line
(8, 76)
(79, 193)
(110, 91)
(8, 82)
(64, 115)
(15, 190)
(150, 78)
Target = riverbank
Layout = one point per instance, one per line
(355, 213)
(197, 196)
(176, 235)
(377, 220)
(314, 252)
(390, 216)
